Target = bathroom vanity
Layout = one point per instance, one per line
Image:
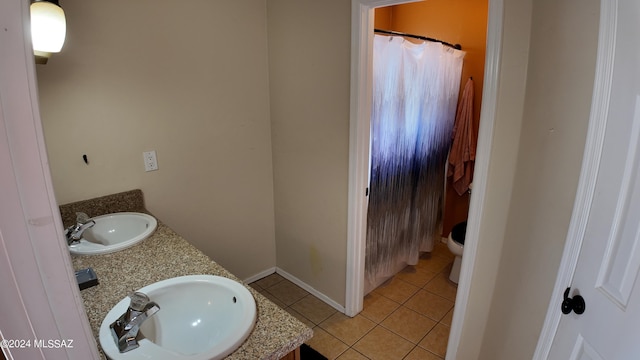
(276, 334)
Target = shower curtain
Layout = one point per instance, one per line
(415, 91)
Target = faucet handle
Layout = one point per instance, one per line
(82, 217)
(138, 301)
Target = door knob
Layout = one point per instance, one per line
(575, 304)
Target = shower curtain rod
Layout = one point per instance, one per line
(389, 32)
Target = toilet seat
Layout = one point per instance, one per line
(455, 244)
(458, 232)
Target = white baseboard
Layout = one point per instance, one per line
(298, 282)
(311, 290)
(260, 275)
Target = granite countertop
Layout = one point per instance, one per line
(165, 255)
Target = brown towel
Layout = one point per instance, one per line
(463, 148)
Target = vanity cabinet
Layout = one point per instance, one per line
(294, 355)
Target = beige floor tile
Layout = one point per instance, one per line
(255, 286)
(313, 309)
(300, 317)
(287, 292)
(382, 344)
(269, 281)
(409, 324)
(422, 354)
(326, 344)
(441, 285)
(448, 319)
(397, 290)
(441, 249)
(415, 276)
(378, 307)
(437, 339)
(352, 355)
(433, 263)
(347, 329)
(430, 305)
(273, 299)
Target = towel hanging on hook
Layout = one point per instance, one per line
(462, 154)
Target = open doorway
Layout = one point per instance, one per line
(362, 34)
(416, 88)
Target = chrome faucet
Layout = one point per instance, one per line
(74, 232)
(125, 329)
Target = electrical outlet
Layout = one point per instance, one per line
(150, 160)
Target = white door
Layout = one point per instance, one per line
(609, 260)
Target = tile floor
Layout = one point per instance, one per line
(408, 317)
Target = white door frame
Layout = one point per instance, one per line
(362, 14)
(587, 181)
(39, 294)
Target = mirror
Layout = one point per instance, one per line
(169, 77)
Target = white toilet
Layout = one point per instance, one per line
(455, 243)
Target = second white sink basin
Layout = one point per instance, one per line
(200, 317)
(114, 232)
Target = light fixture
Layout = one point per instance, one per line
(48, 29)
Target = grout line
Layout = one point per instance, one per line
(366, 357)
(410, 351)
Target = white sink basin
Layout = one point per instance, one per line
(114, 232)
(200, 317)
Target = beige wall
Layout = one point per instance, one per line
(500, 177)
(169, 76)
(556, 112)
(309, 47)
